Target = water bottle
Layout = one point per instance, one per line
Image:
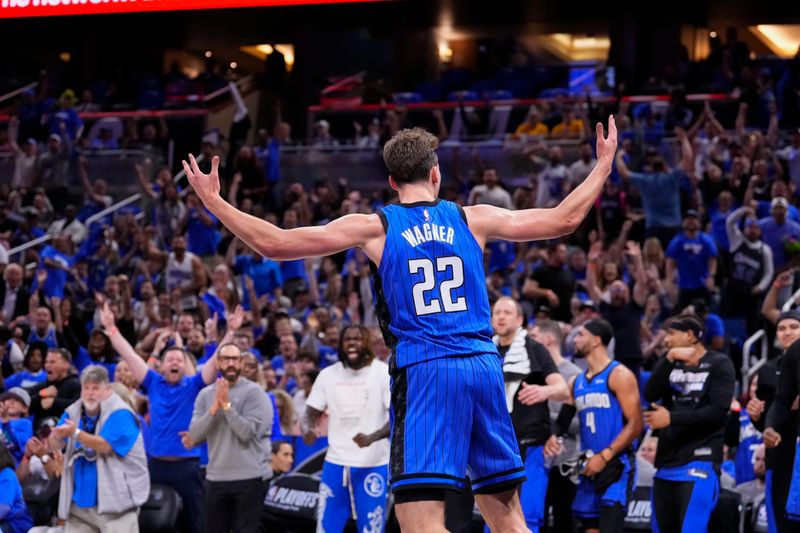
(549, 461)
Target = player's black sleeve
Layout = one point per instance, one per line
(657, 387)
(732, 429)
(719, 393)
(767, 384)
(787, 389)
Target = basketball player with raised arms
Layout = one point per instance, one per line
(449, 417)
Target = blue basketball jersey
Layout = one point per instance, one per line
(599, 410)
(430, 288)
(749, 439)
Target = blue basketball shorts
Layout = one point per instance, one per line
(449, 423)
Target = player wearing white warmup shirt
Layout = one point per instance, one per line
(355, 393)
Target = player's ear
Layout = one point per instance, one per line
(393, 184)
(434, 175)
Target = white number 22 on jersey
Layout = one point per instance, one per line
(445, 287)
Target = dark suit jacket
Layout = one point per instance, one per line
(21, 305)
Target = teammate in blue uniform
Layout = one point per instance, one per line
(606, 398)
(449, 418)
(695, 387)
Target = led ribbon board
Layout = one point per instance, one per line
(51, 8)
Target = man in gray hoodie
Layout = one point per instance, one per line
(235, 417)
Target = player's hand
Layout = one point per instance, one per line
(552, 298)
(552, 447)
(186, 440)
(36, 447)
(222, 388)
(363, 440)
(107, 318)
(65, 430)
(606, 146)
(658, 418)
(755, 408)
(205, 185)
(771, 438)
(532, 394)
(309, 437)
(236, 319)
(594, 465)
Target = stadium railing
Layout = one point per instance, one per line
(750, 367)
(92, 219)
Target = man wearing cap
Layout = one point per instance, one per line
(49, 399)
(52, 166)
(778, 231)
(693, 255)
(780, 454)
(694, 387)
(606, 398)
(17, 428)
(751, 267)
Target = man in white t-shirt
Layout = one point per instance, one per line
(553, 180)
(490, 192)
(355, 393)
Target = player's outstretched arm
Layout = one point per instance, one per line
(272, 241)
(488, 222)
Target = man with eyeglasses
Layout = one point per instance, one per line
(235, 417)
(172, 394)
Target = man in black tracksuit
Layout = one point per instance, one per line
(531, 378)
(777, 432)
(779, 459)
(695, 387)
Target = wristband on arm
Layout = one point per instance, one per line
(562, 422)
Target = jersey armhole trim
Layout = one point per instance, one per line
(384, 220)
(462, 213)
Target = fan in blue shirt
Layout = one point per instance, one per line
(14, 515)
(694, 254)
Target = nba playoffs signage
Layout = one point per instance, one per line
(49, 8)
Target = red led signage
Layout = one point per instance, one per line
(50, 8)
